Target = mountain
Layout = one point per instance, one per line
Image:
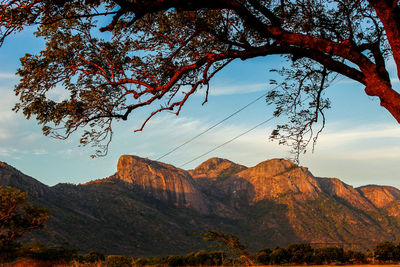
(152, 208)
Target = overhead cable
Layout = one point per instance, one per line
(227, 142)
(215, 125)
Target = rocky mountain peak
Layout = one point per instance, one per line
(162, 181)
(276, 177)
(336, 188)
(10, 176)
(7, 167)
(273, 167)
(380, 196)
(274, 201)
(216, 167)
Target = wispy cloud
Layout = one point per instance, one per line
(375, 142)
(6, 75)
(58, 94)
(234, 89)
(40, 151)
(336, 137)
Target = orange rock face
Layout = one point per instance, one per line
(276, 177)
(216, 167)
(384, 197)
(162, 181)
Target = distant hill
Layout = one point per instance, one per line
(152, 208)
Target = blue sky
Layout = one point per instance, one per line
(360, 144)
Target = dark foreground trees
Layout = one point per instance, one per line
(293, 254)
(17, 216)
(162, 52)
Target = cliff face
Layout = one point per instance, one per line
(274, 178)
(162, 181)
(216, 168)
(11, 176)
(384, 197)
(336, 188)
(152, 208)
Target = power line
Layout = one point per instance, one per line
(227, 142)
(215, 125)
(223, 120)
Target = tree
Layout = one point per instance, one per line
(279, 255)
(17, 215)
(327, 255)
(232, 244)
(263, 256)
(387, 251)
(163, 51)
(300, 253)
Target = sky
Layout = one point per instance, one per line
(360, 143)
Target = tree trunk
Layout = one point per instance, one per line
(389, 14)
(390, 99)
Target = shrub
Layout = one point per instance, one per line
(355, 257)
(118, 261)
(279, 255)
(93, 256)
(263, 256)
(142, 262)
(329, 255)
(300, 253)
(175, 261)
(387, 251)
(54, 254)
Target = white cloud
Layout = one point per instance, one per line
(58, 94)
(337, 137)
(40, 151)
(373, 154)
(218, 90)
(4, 152)
(4, 134)
(9, 152)
(6, 75)
(368, 143)
(30, 139)
(165, 134)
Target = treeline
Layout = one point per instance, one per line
(298, 253)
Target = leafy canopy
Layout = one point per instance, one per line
(17, 215)
(116, 56)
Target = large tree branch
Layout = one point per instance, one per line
(243, 55)
(389, 13)
(141, 8)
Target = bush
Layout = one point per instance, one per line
(387, 251)
(263, 256)
(198, 258)
(54, 254)
(279, 256)
(299, 253)
(93, 256)
(355, 257)
(9, 252)
(118, 261)
(142, 262)
(329, 255)
(175, 261)
(217, 257)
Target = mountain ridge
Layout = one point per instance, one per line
(145, 203)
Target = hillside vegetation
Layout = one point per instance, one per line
(151, 208)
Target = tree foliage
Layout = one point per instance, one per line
(17, 215)
(387, 251)
(161, 52)
(233, 247)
